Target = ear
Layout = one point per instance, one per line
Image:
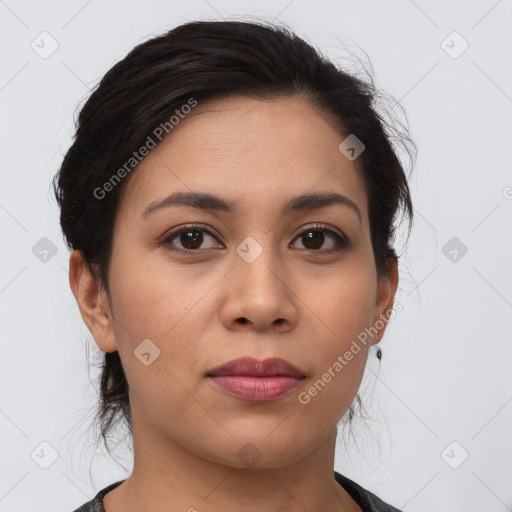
(92, 301)
(386, 290)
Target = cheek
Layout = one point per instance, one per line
(340, 343)
(149, 295)
(343, 305)
(151, 305)
(156, 344)
(170, 307)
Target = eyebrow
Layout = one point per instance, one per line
(210, 202)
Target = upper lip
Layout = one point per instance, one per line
(256, 368)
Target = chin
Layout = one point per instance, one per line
(262, 451)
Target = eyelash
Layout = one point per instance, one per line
(342, 241)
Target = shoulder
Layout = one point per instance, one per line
(368, 501)
(96, 504)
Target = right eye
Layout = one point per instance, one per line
(190, 237)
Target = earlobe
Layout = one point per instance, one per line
(385, 298)
(92, 301)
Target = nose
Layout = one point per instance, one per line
(260, 295)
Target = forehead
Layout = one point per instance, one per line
(256, 152)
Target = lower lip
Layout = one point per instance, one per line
(256, 389)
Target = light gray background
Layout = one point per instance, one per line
(446, 371)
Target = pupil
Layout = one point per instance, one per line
(193, 238)
(316, 237)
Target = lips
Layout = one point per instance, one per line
(251, 367)
(252, 380)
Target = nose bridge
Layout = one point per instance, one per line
(258, 262)
(261, 292)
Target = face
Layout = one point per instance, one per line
(193, 288)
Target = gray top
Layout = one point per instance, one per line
(365, 499)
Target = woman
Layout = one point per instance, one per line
(230, 200)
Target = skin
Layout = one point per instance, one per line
(186, 432)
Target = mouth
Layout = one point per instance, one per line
(256, 381)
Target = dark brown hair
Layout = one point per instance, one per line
(213, 60)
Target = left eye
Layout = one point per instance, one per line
(315, 237)
(312, 239)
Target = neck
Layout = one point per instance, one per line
(167, 476)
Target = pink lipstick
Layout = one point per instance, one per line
(256, 381)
